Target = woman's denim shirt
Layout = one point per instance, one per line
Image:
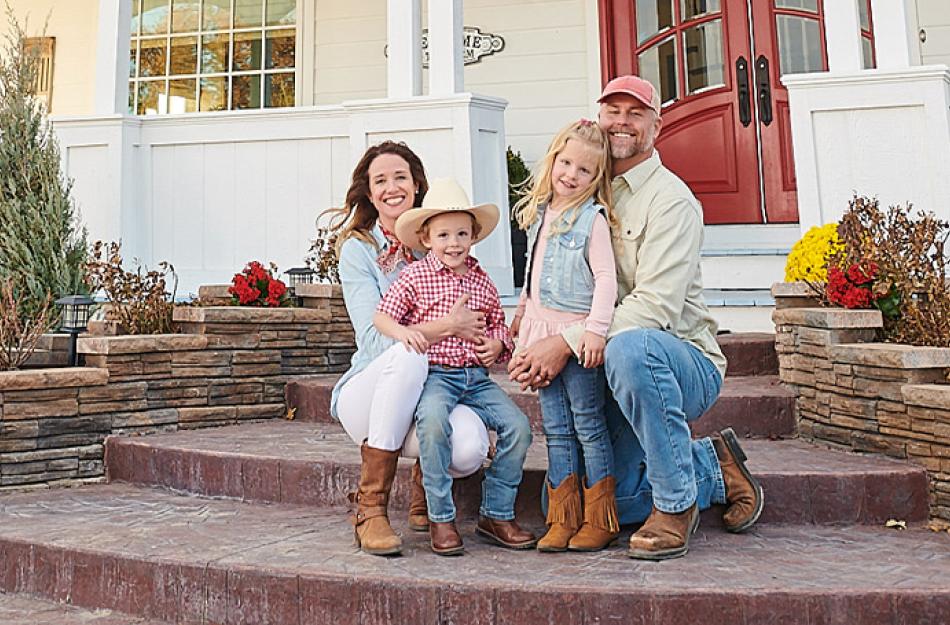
(364, 284)
(567, 282)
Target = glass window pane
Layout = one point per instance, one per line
(216, 15)
(214, 94)
(695, 8)
(132, 97)
(214, 53)
(184, 52)
(280, 49)
(247, 51)
(136, 12)
(246, 92)
(863, 14)
(807, 5)
(151, 97)
(154, 17)
(867, 53)
(181, 96)
(704, 56)
(133, 65)
(279, 89)
(281, 12)
(152, 57)
(184, 16)
(248, 13)
(658, 65)
(652, 17)
(799, 44)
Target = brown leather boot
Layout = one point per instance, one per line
(743, 492)
(372, 531)
(444, 539)
(418, 512)
(564, 514)
(601, 525)
(664, 535)
(505, 533)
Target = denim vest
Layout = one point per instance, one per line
(567, 282)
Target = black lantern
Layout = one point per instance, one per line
(300, 275)
(75, 320)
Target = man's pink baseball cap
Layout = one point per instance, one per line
(634, 86)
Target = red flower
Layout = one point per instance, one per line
(852, 289)
(255, 286)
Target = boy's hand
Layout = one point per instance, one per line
(591, 350)
(515, 326)
(489, 350)
(412, 339)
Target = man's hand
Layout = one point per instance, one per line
(464, 323)
(591, 350)
(489, 350)
(536, 366)
(412, 339)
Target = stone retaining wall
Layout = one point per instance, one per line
(876, 397)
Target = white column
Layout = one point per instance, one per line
(112, 57)
(895, 36)
(404, 61)
(843, 36)
(445, 47)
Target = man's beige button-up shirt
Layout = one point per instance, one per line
(657, 249)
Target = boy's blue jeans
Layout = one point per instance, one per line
(444, 388)
(573, 414)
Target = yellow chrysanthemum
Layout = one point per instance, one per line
(808, 259)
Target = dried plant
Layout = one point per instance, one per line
(322, 257)
(19, 331)
(140, 302)
(910, 254)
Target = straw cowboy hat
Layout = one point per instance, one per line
(445, 195)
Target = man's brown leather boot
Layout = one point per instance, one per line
(418, 512)
(601, 525)
(564, 514)
(372, 531)
(743, 492)
(505, 533)
(664, 535)
(444, 538)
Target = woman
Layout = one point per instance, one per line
(376, 398)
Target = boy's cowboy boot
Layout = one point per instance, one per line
(743, 492)
(564, 514)
(444, 539)
(372, 531)
(505, 533)
(418, 512)
(601, 523)
(664, 535)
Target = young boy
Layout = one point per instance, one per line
(447, 225)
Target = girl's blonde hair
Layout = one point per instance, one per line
(542, 185)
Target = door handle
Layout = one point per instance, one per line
(742, 84)
(763, 88)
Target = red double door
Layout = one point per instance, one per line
(718, 64)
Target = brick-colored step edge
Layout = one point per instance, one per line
(23, 609)
(317, 465)
(756, 406)
(155, 554)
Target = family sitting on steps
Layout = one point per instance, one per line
(611, 330)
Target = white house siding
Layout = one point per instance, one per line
(74, 25)
(933, 17)
(543, 70)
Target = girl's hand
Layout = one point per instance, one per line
(466, 324)
(515, 326)
(591, 350)
(412, 339)
(488, 350)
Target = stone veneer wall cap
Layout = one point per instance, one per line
(214, 291)
(248, 314)
(894, 355)
(141, 343)
(52, 378)
(319, 290)
(927, 395)
(792, 289)
(828, 318)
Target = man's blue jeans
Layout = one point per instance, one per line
(471, 386)
(659, 383)
(573, 413)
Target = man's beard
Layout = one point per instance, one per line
(631, 149)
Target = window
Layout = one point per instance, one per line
(42, 49)
(211, 55)
(867, 34)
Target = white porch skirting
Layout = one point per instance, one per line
(209, 192)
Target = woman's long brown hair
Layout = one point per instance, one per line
(358, 215)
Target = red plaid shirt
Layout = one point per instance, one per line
(427, 289)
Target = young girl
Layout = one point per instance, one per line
(571, 279)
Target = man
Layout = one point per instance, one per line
(663, 364)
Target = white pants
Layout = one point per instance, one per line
(378, 403)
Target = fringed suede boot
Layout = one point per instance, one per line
(601, 524)
(564, 514)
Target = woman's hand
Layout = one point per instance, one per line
(412, 339)
(515, 326)
(591, 350)
(464, 323)
(488, 350)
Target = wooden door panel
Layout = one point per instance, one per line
(710, 133)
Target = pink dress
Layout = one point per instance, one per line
(539, 322)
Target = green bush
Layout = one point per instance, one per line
(518, 178)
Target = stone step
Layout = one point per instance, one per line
(24, 609)
(758, 406)
(317, 464)
(749, 353)
(183, 559)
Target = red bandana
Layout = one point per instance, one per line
(394, 252)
